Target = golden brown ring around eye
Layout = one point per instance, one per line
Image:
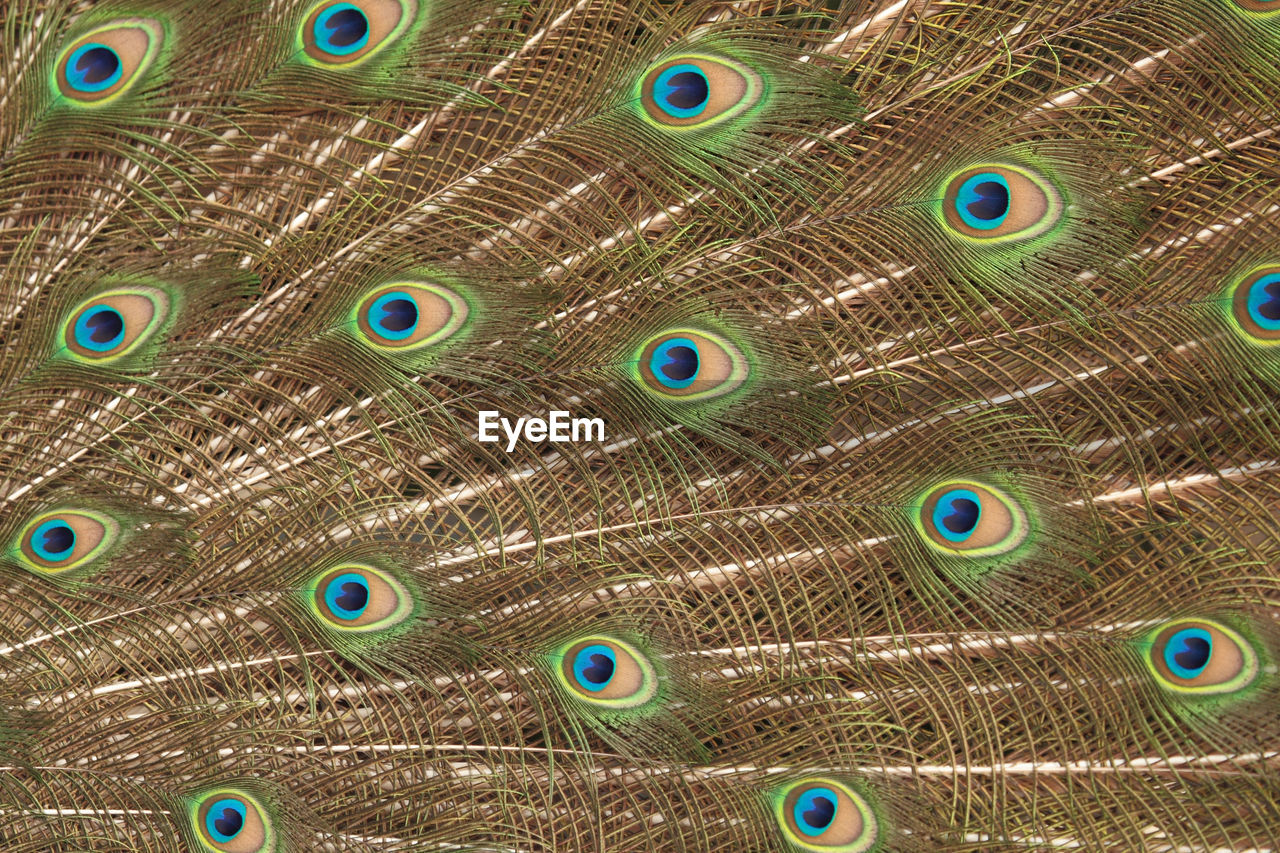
(686, 363)
(628, 676)
(353, 596)
(973, 196)
(134, 41)
(847, 823)
(820, 814)
(723, 88)
(89, 532)
(405, 315)
(1225, 662)
(382, 21)
(137, 310)
(994, 525)
(608, 674)
(250, 836)
(1240, 304)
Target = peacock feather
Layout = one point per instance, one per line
(623, 425)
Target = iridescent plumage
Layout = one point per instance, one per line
(937, 500)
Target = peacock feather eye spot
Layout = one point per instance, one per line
(826, 815)
(101, 328)
(410, 315)
(341, 29)
(593, 667)
(970, 519)
(674, 363)
(225, 820)
(957, 514)
(54, 540)
(93, 67)
(344, 34)
(347, 596)
(1255, 305)
(1196, 656)
(1268, 299)
(606, 673)
(814, 811)
(359, 598)
(997, 202)
(687, 364)
(115, 324)
(58, 542)
(1188, 652)
(697, 91)
(394, 315)
(682, 90)
(228, 821)
(983, 201)
(105, 63)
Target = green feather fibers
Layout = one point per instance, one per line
(936, 506)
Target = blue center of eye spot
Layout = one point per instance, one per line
(347, 595)
(225, 819)
(682, 91)
(675, 363)
(1264, 301)
(394, 315)
(956, 514)
(594, 667)
(93, 67)
(100, 329)
(1188, 652)
(53, 540)
(341, 29)
(983, 201)
(815, 810)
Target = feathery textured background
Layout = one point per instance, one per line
(937, 344)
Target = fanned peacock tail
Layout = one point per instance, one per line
(907, 474)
